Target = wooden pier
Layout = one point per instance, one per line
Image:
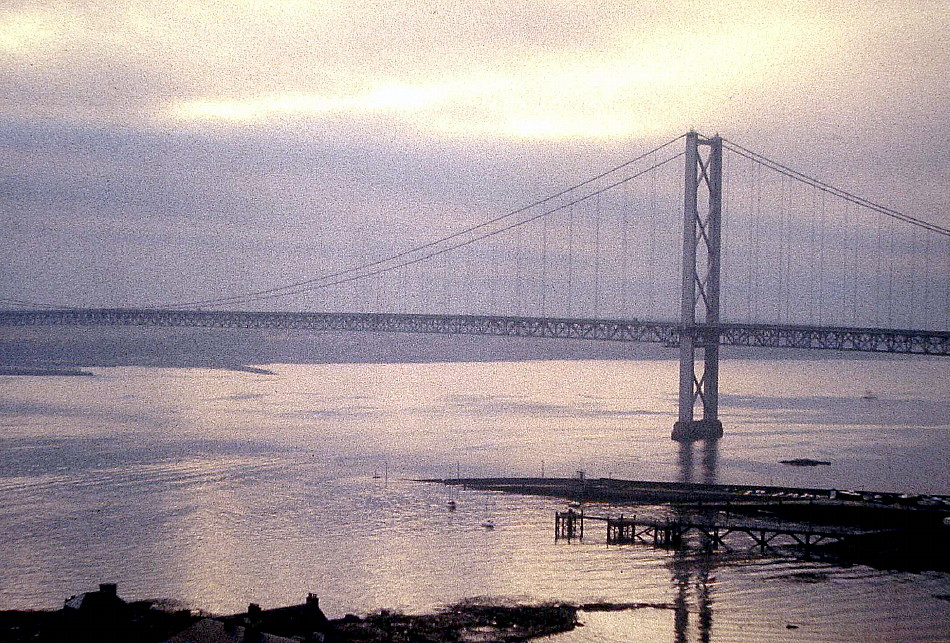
(569, 525)
(700, 531)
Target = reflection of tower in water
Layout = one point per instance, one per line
(685, 567)
(686, 461)
(710, 461)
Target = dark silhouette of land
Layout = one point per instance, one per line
(103, 617)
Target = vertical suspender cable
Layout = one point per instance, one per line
(788, 257)
(821, 260)
(570, 261)
(487, 268)
(890, 279)
(816, 227)
(597, 256)
(755, 248)
(749, 257)
(882, 275)
(946, 282)
(928, 276)
(624, 267)
(422, 285)
(651, 306)
(446, 283)
(611, 308)
(519, 289)
(725, 258)
(852, 228)
(544, 264)
(378, 283)
(782, 244)
(914, 303)
(469, 287)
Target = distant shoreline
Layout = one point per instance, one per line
(45, 371)
(80, 347)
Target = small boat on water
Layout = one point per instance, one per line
(489, 524)
(452, 505)
(377, 476)
(869, 395)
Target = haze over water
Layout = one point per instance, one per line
(222, 488)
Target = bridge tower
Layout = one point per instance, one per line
(701, 264)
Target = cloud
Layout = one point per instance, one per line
(141, 141)
(643, 78)
(522, 69)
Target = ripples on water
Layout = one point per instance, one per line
(224, 488)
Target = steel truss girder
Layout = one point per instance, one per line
(870, 340)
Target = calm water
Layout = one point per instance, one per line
(222, 488)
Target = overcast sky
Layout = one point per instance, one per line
(160, 150)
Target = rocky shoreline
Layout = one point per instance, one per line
(102, 616)
(40, 371)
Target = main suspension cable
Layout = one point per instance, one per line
(761, 159)
(378, 269)
(248, 296)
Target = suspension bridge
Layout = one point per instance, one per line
(745, 253)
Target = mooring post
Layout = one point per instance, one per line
(700, 288)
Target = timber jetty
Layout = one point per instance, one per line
(707, 531)
(880, 528)
(639, 492)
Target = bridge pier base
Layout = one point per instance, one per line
(691, 430)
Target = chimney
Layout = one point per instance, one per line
(316, 620)
(108, 588)
(252, 625)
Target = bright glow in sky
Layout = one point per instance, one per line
(660, 78)
(25, 33)
(535, 69)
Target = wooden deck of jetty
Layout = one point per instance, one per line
(880, 528)
(812, 505)
(706, 532)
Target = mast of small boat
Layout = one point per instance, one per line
(489, 522)
(458, 480)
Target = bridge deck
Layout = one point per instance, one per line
(876, 340)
